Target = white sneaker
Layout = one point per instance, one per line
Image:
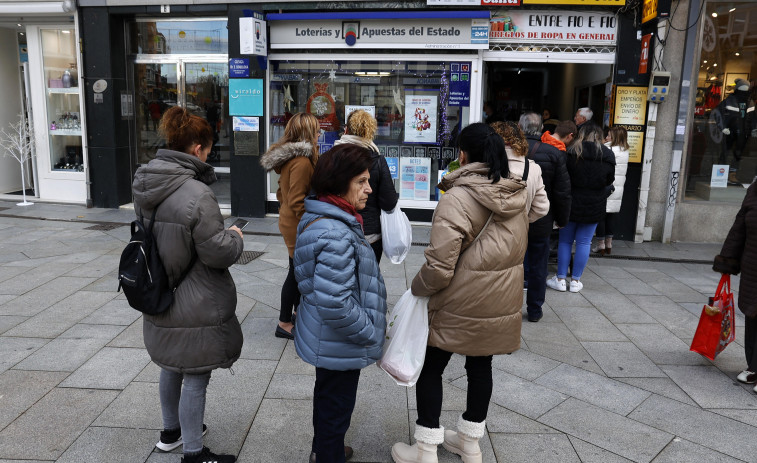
(747, 377)
(575, 286)
(557, 285)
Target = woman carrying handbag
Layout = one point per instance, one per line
(739, 255)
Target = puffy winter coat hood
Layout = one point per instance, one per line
(295, 164)
(200, 331)
(341, 320)
(383, 197)
(476, 285)
(274, 159)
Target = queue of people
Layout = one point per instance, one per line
(490, 237)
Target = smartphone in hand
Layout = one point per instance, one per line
(240, 223)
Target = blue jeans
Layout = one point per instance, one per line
(581, 233)
(535, 272)
(185, 408)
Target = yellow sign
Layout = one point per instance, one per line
(630, 105)
(576, 2)
(649, 11)
(630, 112)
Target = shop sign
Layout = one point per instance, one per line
(576, 2)
(253, 37)
(246, 124)
(473, 2)
(239, 67)
(630, 112)
(525, 2)
(286, 77)
(438, 33)
(422, 81)
(572, 27)
(649, 10)
(245, 97)
(459, 84)
(349, 109)
(644, 60)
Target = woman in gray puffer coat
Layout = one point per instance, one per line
(200, 331)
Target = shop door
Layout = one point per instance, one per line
(201, 86)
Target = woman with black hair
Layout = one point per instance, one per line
(474, 277)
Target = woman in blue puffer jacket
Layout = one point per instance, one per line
(341, 320)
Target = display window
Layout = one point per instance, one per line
(420, 108)
(63, 108)
(722, 145)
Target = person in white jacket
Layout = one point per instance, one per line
(617, 141)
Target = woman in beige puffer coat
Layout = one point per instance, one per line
(474, 277)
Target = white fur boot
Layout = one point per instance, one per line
(464, 442)
(424, 449)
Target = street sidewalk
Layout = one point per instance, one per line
(605, 376)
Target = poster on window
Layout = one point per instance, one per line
(420, 118)
(415, 178)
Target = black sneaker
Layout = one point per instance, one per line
(171, 438)
(206, 456)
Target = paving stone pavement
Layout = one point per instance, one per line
(605, 376)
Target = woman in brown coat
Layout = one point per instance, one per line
(474, 277)
(739, 255)
(293, 157)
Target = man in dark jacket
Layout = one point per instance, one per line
(557, 183)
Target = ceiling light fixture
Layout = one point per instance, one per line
(65, 31)
(715, 64)
(732, 10)
(738, 54)
(714, 15)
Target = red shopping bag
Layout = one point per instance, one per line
(717, 323)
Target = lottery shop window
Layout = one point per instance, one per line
(420, 108)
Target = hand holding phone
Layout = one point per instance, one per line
(240, 223)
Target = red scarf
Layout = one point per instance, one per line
(342, 204)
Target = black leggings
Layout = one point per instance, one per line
(606, 226)
(428, 390)
(750, 342)
(378, 249)
(290, 295)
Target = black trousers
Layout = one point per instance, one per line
(290, 295)
(606, 227)
(750, 342)
(535, 265)
(378, 249)
(333, 402)
(428, 390)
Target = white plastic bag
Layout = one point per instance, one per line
(396, 234)
(406, 338)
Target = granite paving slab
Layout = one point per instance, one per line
(56, 319)
(682, 451)
(697, 425)
(52, 424)
(607, 430)
(631, 285)
(616, 307)
(286, 386)
(149, 374)
(114, 445)
(137, 406)
(501, 420)
(589, 453)
(521, 396)
(233, 400)
(745, 416)
(132, 336)
(276, 418)
(96, 268)
(536, 448)
(115, 312)
(661, 386)
(710, 388)
(110, 368)
(589, 324)
(10, 321)
(244, 306)
(622, 360)
(595, 389)
(7, 273)
(261, 310)
(19, 390)
(290, 363)
(38, 299)
(259, 341)
(524, 363)
(669, 314)
(62, 354)
(660, 345)
(555, 341)
(14, 350)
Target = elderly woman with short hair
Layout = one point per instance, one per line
(341, 320)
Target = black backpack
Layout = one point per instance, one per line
(141, 273)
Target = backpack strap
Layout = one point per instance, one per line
(534, 148)
(194, 253)
(525, 169)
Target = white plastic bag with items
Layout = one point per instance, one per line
(406, 338)
(396, 234)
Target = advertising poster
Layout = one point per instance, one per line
(394, 167)
(253, 37)
(459, 84)
(719, 177)
(420, 118)
(630, 112)
(245, 97)
(415, 181)
(246, 124)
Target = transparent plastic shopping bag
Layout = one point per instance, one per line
(396, 234)
(406, 337)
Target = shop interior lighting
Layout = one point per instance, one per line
(732, 10)
(714, 15)
(19, 25)
(519, 69)
(65, 31)
(705, 61)
(715, 64)
(738, 54)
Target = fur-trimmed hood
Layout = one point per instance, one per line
(276, 157)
